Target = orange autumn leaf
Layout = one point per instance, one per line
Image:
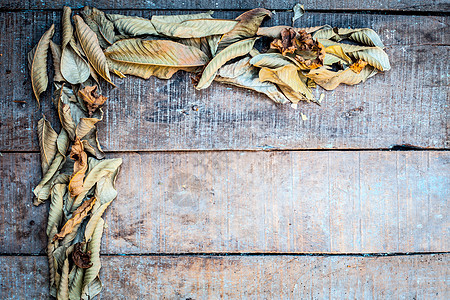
(79, 168)
(77, 217)
(91, 98)
(358, 66)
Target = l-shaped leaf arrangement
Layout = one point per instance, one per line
(82, 187)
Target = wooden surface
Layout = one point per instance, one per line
(407, 105)
(185, 222)
(384, 5)
(228, 202)
(248, 277)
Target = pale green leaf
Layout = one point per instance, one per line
(244, 75)
(73, 67)
(299, 11)
(181, 18)
(133, 26)
(55, 214)
(92, 273)
(42, 190)
(375, 56)
(47, 143)
(235, 50)
(272, 60)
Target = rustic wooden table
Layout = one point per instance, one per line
(240, 198)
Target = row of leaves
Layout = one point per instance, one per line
(214, 49)
(82, 187)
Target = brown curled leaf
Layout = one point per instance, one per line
(91, 98)
(77, 217)
(80, 258)
(79, 168)
(308, 52)
(247, 27)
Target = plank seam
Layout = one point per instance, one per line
(325, 11)
(406, 149)
(251, 254)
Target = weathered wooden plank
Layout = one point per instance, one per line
(247, 277)
(414, 5)
(408, 104)
(293, 202)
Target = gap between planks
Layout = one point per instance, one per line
(325, 11)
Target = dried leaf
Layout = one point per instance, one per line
(91, 48)
(274, 32)
(181, 18)
(63, 288)
(307, 51)
(364, 36)
(37, 63)
(99, 24)
(47, 143)
(132, 26)
(43, 189)
(358, 66)
(56, 57)
(103, 168)
(299, 11)
(73, 67)
(242, 74)
(92, 145)
(91, 98)
(338, 52)
(80, 258)
(91, 283)
(79, 168)
(55, 214)
(194, 28)
(375, 56)
(158, 52)
(329, 79)
(235, 50)
(247, 27)
(288, 80)
(272, 61)
(77, 217)
(67, 28)
(70, 112)
(145, 71)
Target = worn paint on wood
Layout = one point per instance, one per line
(247, 277)
(402, 5)
(307, 201)
(408, 104)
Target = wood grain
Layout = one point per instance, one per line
(401, 5)
(247, 277)
(407, 105)
(292, 202)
